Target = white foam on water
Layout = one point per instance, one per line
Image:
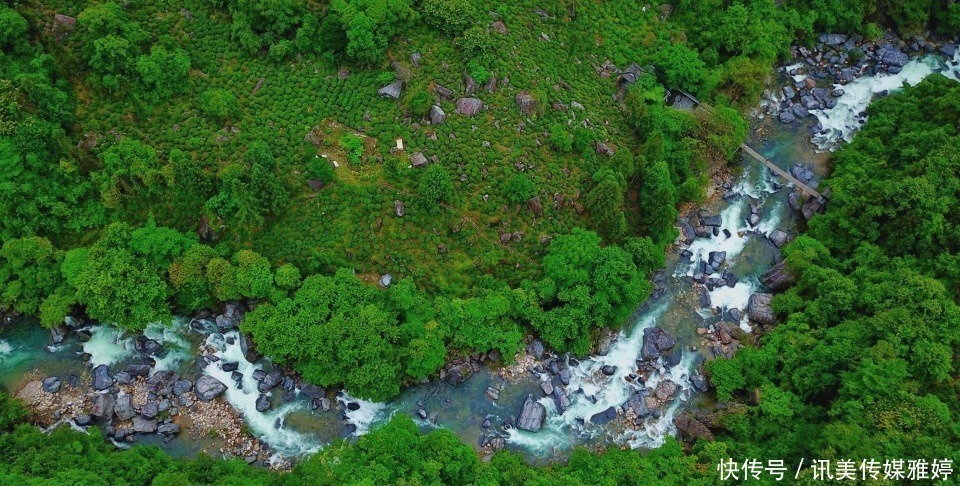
(733, 297)
(262, 424)
(175, 347)
(771, 221)
(732, 219)
(362, 418)
(655, 430)
(842, 121)
(5, 349)
(793, 67)
(107, 345)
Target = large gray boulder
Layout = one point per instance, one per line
(232, 316)
(779, 238)
(527, 103)
(437, 115)
(532, 416)
(759, 309)
(168, 429)
(779, 277)
(892, 56)
(51, 384)
(263, 403)
(469, 106)
(457, 373)
(604, 417)
(182, 386)
(103, 406)
(208, 388)
(144, 426)
(101, 378)
(124, 408)
(656, 342)
(391, 90)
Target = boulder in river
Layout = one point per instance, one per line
(536, 348)
(779, 238)
(168, 429)
(779, 277)
(208, 388)
(231, 317)
(263, 403)
(182, 386)
(759, 309)
(604, 417)
(457, 373)
(656, 342)
(124, 408)
(143, 425)
(103, 406)
(561, 399)
(699, 383)
(101, 378)
(150, 410)
(51, 384)
(531, 416)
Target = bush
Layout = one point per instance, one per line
(353, 146)
(219, 104)
(449, 16)
(519, 189)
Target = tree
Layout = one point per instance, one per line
(29, 273)
(116, 285)
(449, 16)
(131, 170)
(335, 330)
(370, 24)
(681, 67)
(585, 286)
(518, 189)
(163, 73)
(111, 41)
(657, 203)
(560, 139)
(605, 203)
(435, 185)
(219, 104)
(478, 43)
(13, 27)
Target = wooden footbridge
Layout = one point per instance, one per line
(756, 155)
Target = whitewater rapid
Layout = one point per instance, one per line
(842, 121)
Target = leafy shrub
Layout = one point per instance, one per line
(219, 104)
(353, 146)
(518, 189)
(450, 16)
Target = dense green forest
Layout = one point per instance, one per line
(159, 158)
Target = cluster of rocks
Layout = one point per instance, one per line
(655, 392)
(723, 338)
(837, 60)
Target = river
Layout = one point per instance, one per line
(292, 429)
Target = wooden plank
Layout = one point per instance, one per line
(782, 173)
(753, 153)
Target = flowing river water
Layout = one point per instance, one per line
(292, 429)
